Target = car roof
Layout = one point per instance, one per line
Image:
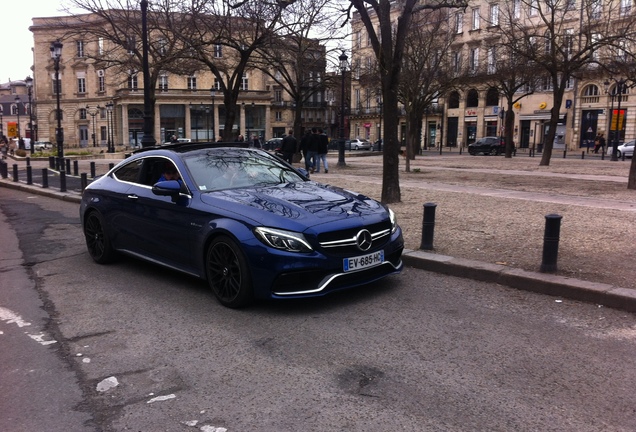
(184, 147)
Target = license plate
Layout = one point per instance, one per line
(364, 261)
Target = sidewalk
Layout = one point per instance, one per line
(468, 189)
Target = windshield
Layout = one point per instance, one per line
(220, 169)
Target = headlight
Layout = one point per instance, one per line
(393, 219)
(284, 240)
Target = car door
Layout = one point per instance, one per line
(161, 227)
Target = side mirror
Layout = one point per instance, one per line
(171, 188)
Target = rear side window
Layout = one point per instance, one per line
(129, 172)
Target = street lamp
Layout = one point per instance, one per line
(213, 94)
(17, 109)
(56, 54)
(1, 124)
(93, 113)
(207, 122)
(147, 140)
(380, 103)
(343, 69)
(109, 114)
(29, 84)
(616, 125)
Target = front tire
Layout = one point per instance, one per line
(494, 152)
(228, 274)
(97, 241)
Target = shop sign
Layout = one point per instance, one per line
(471, 112)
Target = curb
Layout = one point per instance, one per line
(541, 283)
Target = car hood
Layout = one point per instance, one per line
(302, 204)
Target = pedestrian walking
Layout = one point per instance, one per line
(312, 149)
(323, 148)
(599, 143)
(289, 147)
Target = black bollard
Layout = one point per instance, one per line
(551, 243)
(111, 166)
(3, 169)
(565, 154)
(28, 161)
(582, 155)
(29, 169)
(15, 172)
(428, 226)
(75, 168)
(602, 155)
(52, 162)
(68, 165)
(84, 180)
(62, 181)
(45, 178)
(92, 169)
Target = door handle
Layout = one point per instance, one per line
(133, 196)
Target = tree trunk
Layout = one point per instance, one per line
(390, 159)
(631, 180)
(509, 130)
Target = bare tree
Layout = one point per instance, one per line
(425, 72)
(564, 39)
(388, 24)
(224, 36)
(295, 56)
(114, 26)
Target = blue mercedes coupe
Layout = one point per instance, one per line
(241, 218)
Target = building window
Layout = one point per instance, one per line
(56, 85)
(245, 82)
(591, 90)
(494, 14)
(571, 4)
(459, 22)
(101, 84)
(80, 48)
(472, 99)
(218, 50)
(596, 9)
(81, 85)
(516, 9)
(278, 95)
(473, 60)
(192, 82)
(102, 133)
(100, 46)
(475, 21)
(82, 113)
(626, 7)
(453, 100)
(14, 110)
(102, 113)
(163, 82)
(279, 116)
(358, 37)
(131, 44)
(132, 82)
(534, 7)
(492, 60)
(456, 61)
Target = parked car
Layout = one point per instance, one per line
(625, 148)
(273, 144)
(358, 144)
(247, 222)
(487, 145)
(42, 145)
(179, 141)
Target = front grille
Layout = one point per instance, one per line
(343, 243)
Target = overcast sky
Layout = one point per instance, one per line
(16, 57)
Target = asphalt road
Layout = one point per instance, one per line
(419, 351)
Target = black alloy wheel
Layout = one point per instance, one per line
(97, 242)
(228, 274)
(494, 151)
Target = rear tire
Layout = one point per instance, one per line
(494, 152)
(97, 242)
(228, 273)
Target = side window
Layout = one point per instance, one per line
(129, 172)
(154, 167)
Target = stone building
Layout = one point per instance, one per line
(474, 109)
(103, 105)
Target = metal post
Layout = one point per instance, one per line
(551, 242)
(75, 168)
(213, 93)
(29, 170)
(428, 226)
(29, 83)
(619, 124)
(45, 178)
(341, 145)
(84, 181)
(17, 103)
(56, 53)
(92, 169)
(15, 172)
(148, 139)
